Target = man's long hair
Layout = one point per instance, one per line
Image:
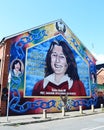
(72, 66)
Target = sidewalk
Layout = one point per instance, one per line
(36, 118)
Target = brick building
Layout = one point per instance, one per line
(100, 74)
(29, 48)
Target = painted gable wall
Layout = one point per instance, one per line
(29, 49)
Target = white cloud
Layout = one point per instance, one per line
(99, 58)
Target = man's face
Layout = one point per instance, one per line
(17, 66)
(58, 60)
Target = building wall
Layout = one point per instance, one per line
(30, 49)
(100, 76)
(4, 76)
(1, 53)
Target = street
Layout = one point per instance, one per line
(91, 122)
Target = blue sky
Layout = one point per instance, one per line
(84, 17)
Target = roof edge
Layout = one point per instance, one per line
(27, 30)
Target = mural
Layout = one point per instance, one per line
(57, 63)
(47, 65)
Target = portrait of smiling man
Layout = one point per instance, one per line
(61, 76)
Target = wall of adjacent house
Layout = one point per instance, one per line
(100, 76)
